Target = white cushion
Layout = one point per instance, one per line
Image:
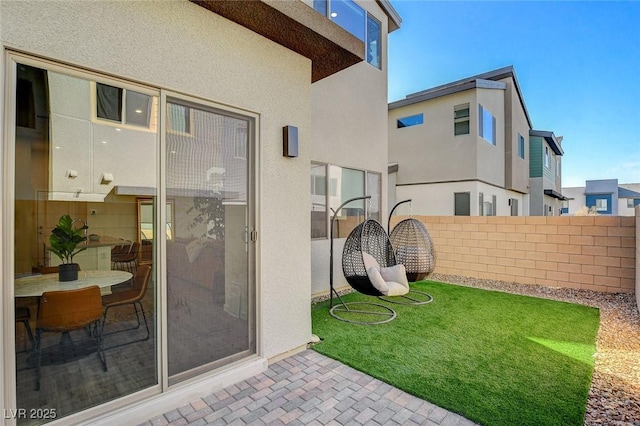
(377, 281)
(396, 289)
(369, 261)
(396, 273)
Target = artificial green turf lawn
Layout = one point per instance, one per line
(494, 358)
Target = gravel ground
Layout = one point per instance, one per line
(614, 397)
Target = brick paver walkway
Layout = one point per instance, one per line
(310, 389)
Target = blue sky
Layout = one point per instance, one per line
(577, 63)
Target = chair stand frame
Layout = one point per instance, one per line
(342, 310)
(414, 297)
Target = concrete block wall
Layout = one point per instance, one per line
(584, 252)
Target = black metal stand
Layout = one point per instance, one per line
(378, 313)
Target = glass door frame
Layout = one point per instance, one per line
(253, 208)
(7, 222)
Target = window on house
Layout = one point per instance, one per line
(179, 119)
(633, 202)
(487, 207)
(25, 104)
(601, 204)
(461, 120)
(349, 16)
(374, 45)
(241, 144)
(320, 6)
(318, 200)
(558, 166)
(546, 157)
(486, 125)
(462, 203)
(123, 106)
(412, 120)
(520, 146)
(513, 204)
(333, 185)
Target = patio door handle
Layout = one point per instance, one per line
(254, 236)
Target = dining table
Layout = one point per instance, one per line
(35, 285)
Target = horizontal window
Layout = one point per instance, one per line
(413, 120)
(123, 106)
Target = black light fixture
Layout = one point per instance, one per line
(290, 141)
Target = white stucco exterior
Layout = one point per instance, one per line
(181, 47)
(349, 127)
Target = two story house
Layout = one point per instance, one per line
(545, 167)
(604, 197)
(190, 128)
(468, 148)
(461, 148)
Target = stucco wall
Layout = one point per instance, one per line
(490, 158)
(349, 129)
(593, 253)
(438, 199)
(431, 152)
(516, 168)
(179, 46)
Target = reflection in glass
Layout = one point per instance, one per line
(349, 16)
(210, 301)
(374, 44)
(348, 183)
(318, 201)
(64, 136)
(374, 185)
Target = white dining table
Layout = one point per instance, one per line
(35, 285)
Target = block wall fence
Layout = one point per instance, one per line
(585, 252)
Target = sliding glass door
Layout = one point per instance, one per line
(75, 157)
(210, 298)
(161, 191)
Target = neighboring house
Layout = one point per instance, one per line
(136, 117)
(604, 196)
(462, 148)
(545, 168)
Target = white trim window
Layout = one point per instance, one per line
(546, 157)
(486, 125)
(461, 120)
(122, 106)
(521, 146)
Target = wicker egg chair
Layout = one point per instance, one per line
(368, 237)
(369, 266)
(413, 248)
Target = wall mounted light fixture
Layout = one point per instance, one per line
(290, 141)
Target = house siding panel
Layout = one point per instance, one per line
(535, 157)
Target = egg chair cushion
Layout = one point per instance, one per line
(391, 281)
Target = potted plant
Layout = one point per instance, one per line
(63, 243)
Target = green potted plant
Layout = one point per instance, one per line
(63, 243)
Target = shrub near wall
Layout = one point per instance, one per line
(593, 252)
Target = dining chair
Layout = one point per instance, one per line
(130, 297)
(126, 260)
(63, 311)
(23, 315)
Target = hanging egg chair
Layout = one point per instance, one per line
(413, 248)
